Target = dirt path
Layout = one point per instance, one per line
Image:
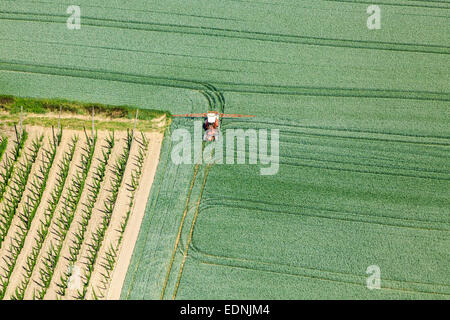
(121, 206)
(134, 224)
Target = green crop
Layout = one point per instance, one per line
(364, 138)
(66, 216)
(36, 189)
(3, 145)
(12, 200)
(107, 210)
(17, 188)
(8, 165)
(109, 260)
(44, 225)
(88, 206)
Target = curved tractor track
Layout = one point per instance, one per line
(227, 33)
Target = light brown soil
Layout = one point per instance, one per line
(111, 289)
(12, 230)
(64, 264)
(96, 214)
(18, 272)
(51, 237)
(10, 134)
(132, 231)
(105, 289)
(16, 222)
(112, 234)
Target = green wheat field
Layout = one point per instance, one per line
(364, 120)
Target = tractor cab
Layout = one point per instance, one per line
(212, 122)
(212, 118)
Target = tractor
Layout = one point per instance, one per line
(212, 122)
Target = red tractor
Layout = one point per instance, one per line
(212, 122)
(211, 126)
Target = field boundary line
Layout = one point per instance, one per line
(148, 205)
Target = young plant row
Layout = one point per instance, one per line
(93, 191)
(109, 260)
(3, 146)
(17, 187)
(35, 191)
(42, 232)
(10, 161)
(118, 171)
(65, 218)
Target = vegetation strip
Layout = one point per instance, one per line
(86, 212)
(16, 188)
(110, 256)
(107, 210)
(65, 218)
(36, 189)
(169, 269)
(3, 145)
(191, 233)
(9, 162)
(12, 106)
(44, 226)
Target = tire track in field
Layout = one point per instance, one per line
(100, 74)
(416, 172)
(186, 208)
(228, 33)
(317, 274)
(191, 232)
(362, 155)
(216, 101)
(345, 216)
(222, 58)
(318, 166)
(202, 256)
(397, 4)
(349, 159)
(137, 10)
(408, 138)
(170, 54)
